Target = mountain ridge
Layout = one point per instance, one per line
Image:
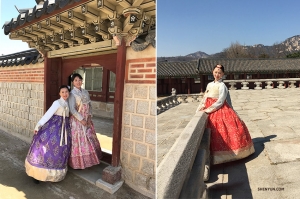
(279, 50)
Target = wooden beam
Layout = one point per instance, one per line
(107, 61)
(52, 80)
(84, 49)
(118, 103)
(54, 13)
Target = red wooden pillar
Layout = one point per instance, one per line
(189, 85)
(178, 83)
(118, 103)
(105, 84)
(202, 82)
(169, 85)
(52, 80)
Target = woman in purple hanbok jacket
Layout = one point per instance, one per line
(47, 159)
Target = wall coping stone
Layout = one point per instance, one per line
(173, 169)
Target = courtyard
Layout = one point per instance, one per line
(271, 116)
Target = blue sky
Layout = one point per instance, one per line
(8, 12)
(200, 25)
(212, 25)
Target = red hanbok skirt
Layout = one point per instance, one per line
(230, 138)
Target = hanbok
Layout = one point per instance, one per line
(230, 138)
(85, 150)
(47, 158)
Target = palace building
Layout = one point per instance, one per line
(112, 44)
(193, 76)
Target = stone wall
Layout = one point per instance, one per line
(21, 99)
(138, 145)
(103, 109)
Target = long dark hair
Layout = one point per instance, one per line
(76, 75)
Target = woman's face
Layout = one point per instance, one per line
(77, 82)
(64, 93)
(218, 73)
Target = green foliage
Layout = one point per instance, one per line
(294, 55)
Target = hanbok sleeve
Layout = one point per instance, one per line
(228, 100)
(90, 104)
(223, 91)
(72, 105)
(202, 103)
(50, 112)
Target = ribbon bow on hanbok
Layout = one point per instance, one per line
(63, 132)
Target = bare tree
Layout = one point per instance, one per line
(236, 50)
(257, 51)
(278, 50)
(252, 52)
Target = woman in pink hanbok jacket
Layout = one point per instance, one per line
(85, 149)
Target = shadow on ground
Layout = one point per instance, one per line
(231, 179)
(14, 182)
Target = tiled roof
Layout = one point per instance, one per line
(28, 14)
(250, 65)
(21, 58)
(84, 25)
(176, 69)
(205, 66)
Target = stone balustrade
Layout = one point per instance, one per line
(173, 100)
(167, 103)
(259, 84)
(243, 84)
(185, 167)
(186, 98)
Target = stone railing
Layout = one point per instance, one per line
(173, 100)
(185, 167)
(166, 103)
(264, 83)
(186, 98)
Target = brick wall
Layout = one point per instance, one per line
(141, 71)
(138, 155)
(21, 99)
(29, 73)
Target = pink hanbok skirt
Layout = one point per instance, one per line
(85, 149)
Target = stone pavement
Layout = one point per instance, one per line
(170, 124)
(104, 132)
(15, 184)
(272, 117)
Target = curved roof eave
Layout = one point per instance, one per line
(20, 58)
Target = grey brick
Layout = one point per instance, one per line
(138, 134)
(148, 167)
(142, 107)
(134, 162)
(141, 149)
